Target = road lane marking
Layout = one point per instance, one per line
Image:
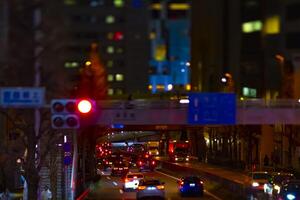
(115, 183)
(108, 177)
(121, 191)
(173, 177)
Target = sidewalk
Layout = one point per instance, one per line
(231, 175)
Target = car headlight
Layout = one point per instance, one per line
(255, 184)
(290, 197)
(276, 187)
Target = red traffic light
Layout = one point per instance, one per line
(84, 106)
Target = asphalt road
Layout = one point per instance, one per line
(111, 188)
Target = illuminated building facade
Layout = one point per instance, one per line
(170, 46)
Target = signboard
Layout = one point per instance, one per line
(212, 109)
(22, 97)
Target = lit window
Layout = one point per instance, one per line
(179, 6)
(110, 19)
(110, 77)
(71, 64)
(272, 25)
(119, 3)
(110, 91)
(110, 49)
(118, 35)
(119, 77)
(249, 27)
(156, 6)
(69, 2)
(152, 35)
(249, 92)
(110, 63)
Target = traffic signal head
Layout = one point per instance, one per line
(66, 113)
(84, 106)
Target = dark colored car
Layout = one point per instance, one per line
(191, 185)
(146, 163)
(119, 169)
(290, 191)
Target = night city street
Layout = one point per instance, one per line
(149, 99)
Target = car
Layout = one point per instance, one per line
(119, 169)
(190, 185)
(151, 189)
(256, 181)
(273, 186)
(289, 191)
(146, 162)
(131, 180)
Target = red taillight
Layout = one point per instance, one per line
(126, 180)
(160, 187)
(201, 182)
(140, 163)
(153, 162)
(181, 183)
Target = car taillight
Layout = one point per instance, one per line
(126, 180)
(153, 162)
(160, 187)
(140, 163)
(141, 187)
(201, 182)
(181, 183)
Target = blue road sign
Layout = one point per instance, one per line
(212, 109)
(22, 97)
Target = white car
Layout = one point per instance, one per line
(132, 180)
(151, 189)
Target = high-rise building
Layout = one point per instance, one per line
(253, 40)
(170, 46)
(120, 27)
(3, 36)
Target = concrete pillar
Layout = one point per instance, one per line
(266, 143)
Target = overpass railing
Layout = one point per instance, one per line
(175, 104)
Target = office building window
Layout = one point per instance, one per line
(71, 64)
(118, 3)
(110, 19)
(272, 25)
(120, 50)
(94, 3)
(110, 91)
(252, 26)
(119, 77)
(110, 49)
(69, 2)
(110, 63)
(110, 35)
(110, 77)
(119, 91)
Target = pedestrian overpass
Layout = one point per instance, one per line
(172, 112)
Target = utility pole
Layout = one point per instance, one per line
(37, 18)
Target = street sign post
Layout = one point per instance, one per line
(212, 109)
(22, 97)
